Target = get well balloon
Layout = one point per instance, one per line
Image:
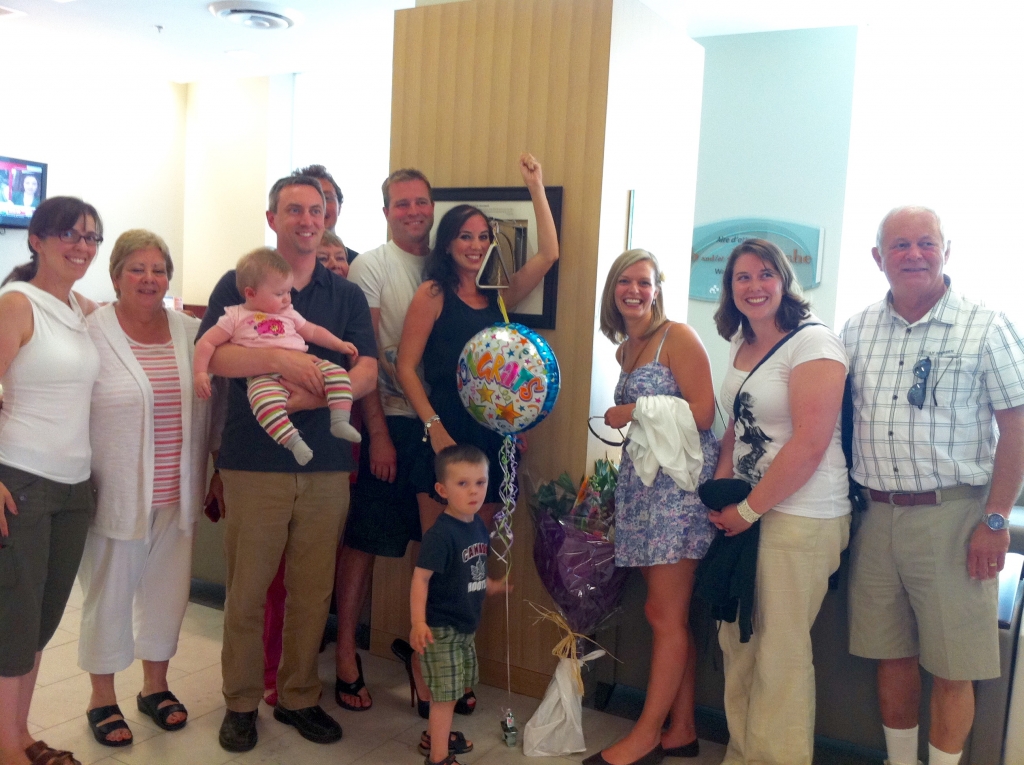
(508, 378)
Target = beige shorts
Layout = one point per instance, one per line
(910, 594)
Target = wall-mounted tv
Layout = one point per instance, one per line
(22, 188)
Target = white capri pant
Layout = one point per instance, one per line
(142, 581)
(769, 681)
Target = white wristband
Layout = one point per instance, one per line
(747, 513)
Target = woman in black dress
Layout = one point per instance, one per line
(447, 310)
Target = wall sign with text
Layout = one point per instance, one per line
(713, 242)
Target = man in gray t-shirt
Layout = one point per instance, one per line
(384, 515)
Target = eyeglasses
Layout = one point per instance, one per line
(73, 237)
(916, 394)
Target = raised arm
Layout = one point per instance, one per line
(529, 276)
(423, 311)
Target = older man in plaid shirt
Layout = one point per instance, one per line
(938, 392)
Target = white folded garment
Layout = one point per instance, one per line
(663, 435)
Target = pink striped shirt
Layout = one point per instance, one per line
(161, 367)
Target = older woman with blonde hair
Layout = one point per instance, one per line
(660, 528)
(150, 439)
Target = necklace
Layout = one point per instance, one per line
(636, 358)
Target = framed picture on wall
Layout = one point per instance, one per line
(510, 210)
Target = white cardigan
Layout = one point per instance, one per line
(121, 431)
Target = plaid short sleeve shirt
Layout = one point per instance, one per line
(976, 359)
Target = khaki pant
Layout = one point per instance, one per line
(769, 681)
(300, 515)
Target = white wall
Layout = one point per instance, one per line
(343, 121)
(651, 139)
(229, 124)
(112, 139)
(775, 129)
(936, 122)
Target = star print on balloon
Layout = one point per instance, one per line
(508, 378)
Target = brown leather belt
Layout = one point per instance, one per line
(913, 499)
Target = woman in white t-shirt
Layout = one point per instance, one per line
(785, 441)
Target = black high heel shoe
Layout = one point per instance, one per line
(403, 651)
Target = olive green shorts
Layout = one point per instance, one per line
(911, 595)
(38, 562)
(449, 663)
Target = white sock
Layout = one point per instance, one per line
(901, 745)
(938, 757)
(342, 428)
(300, 450)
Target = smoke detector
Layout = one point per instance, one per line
(254, 14)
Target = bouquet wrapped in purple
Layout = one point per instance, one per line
(574, 548)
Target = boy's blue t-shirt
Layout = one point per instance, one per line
(456, 552)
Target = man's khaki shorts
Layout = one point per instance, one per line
(910, 594)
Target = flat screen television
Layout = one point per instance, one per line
(22, 188)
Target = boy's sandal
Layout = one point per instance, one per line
(100, 732)
(466, 704)
(40, 754)
(150, 705)
(449, 760)
(457, 743)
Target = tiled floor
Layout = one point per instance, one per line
(387, 734)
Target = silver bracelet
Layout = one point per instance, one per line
(747, 513)
(426, 427)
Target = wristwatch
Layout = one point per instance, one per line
(996, 521)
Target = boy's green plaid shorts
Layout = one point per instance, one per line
(449, 663)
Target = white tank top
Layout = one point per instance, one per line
(44, 423)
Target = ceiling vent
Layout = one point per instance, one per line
(255, 15)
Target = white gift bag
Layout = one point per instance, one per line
(556, 728)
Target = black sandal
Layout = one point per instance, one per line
(351, 689)
(466, 704)
(457, 743)
(100, 732)
(150, 705)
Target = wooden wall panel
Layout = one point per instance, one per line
(476, 83)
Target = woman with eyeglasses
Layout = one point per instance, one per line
(660, 528)
(150, 439)
(48, 365)
(784, 390)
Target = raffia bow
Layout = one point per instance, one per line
(567, 647)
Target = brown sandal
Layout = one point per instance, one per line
(40, 754)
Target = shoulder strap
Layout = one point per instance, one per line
(782, 342)
(664, 335)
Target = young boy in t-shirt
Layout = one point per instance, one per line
(448, 589)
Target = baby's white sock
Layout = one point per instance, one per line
(901, 745)
(342, 428)
(299, 449)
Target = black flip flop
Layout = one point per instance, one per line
(100, 732)
(351, 689)
(150, 705)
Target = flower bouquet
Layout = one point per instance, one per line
(574, 552)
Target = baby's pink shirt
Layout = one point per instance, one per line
(256, 329)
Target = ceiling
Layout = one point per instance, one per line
(182, 41)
